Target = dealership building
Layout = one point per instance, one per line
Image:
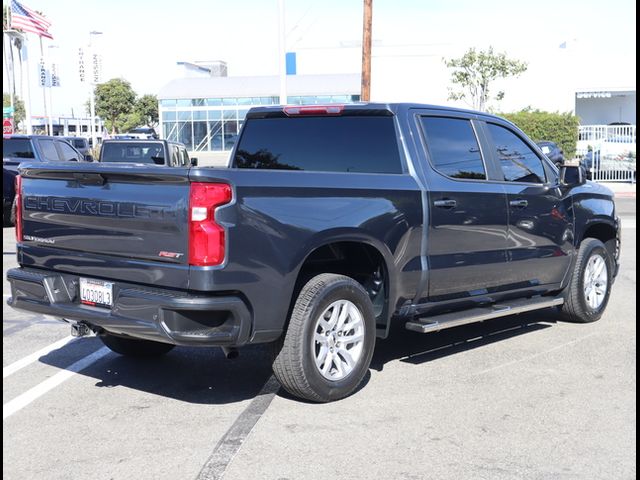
(206, 111)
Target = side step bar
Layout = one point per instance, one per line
(454, 319)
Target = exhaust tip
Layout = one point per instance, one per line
(230, 353)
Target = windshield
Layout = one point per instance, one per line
(17, 148)
(127, 152)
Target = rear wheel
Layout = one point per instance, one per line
(134, 347)
(590, 287)
(328, 346)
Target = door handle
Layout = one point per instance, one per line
(446, 203)
(519, 203)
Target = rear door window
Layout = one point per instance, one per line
(67, 152)
(518, 161)
(453, 147)
(322, 144)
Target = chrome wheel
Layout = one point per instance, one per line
(595, 281)
(338, 340)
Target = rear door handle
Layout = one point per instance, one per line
(519, 203)
(446, 203)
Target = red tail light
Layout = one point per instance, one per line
(18, 208)
(206, 237)
(294, 110)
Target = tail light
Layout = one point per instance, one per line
(206, 237)
(18, 208)
(295, 110)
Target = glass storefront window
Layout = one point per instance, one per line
(199, 115)
(229, 101)
(214, 102)
(245, 101)
(170, 131)
(197, 102)
(184, 115)
(168, 103)
(200, 136)
(183, 102)
(184, 134)
(166, 116)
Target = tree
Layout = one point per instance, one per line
(18, 105)
(114, 100)
(474, 72)
(147, 109)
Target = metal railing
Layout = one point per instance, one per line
(607, 166)
(607, 133)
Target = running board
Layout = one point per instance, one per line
(455, 319)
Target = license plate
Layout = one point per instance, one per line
(96, 292)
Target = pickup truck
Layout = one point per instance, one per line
(331, 224)
(150, 151)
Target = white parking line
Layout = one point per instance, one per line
(36, 392)
(23, 362)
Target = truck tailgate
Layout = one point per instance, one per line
(98, 220)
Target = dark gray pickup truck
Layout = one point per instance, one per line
(332, 223)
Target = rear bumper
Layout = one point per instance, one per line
(159, 315)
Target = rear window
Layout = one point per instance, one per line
(17, 148)
(79, 143)
(133, 153)
(322, 144)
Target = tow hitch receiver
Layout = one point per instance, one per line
(79, 330)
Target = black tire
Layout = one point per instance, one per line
(12, 214)
(295, 354)
(133, 347)
(576, 307)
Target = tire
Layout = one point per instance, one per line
(133, 347)
(331, 307)
(579, 306)
(12, 214)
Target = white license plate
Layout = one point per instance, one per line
(96, 292)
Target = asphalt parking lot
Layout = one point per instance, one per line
(526, 396)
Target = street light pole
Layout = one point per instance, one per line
(92, 86)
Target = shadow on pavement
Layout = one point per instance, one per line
(204, 376)
(417, 348)
(194, 375)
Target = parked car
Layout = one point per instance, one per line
(331, 224)
(143, 133)
(82, 145)
(155, 152)
(33, 148)
(552, 151)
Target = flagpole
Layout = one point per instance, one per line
(27, 91)
(43, 84)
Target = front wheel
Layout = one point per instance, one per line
(328, 346)
(590, 286)
(134, 347)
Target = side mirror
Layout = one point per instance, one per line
(194, 162)
(88, 158)
(572, 175)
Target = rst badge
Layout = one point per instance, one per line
(175, 255)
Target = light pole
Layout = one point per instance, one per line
(92, 84)
(50, 86)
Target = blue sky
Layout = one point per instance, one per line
(143, 40)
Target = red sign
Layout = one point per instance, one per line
(7, 126)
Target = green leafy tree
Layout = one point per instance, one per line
(147, 109)
(474, 72)
(560, 128)
(19, 112)
(115, 99)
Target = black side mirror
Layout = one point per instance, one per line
(573, 175)
(88, 158)
(194, 162)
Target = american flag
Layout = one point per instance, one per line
(23, 18)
